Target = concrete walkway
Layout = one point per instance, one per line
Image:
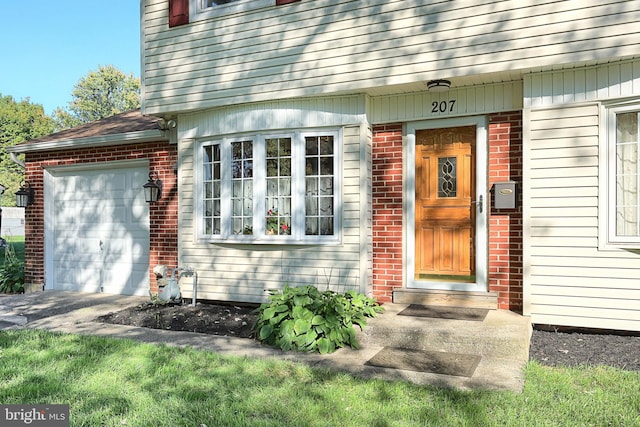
(75, 313)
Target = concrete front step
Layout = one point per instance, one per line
(488, 300)
(502, 334)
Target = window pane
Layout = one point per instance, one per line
(285, 167)
(311, 146)
(311, 227)
(211, 189)
(285, 146)
(326, 226)
(326, 186)
(319, 191)
(627, 175)
(326, 165)
(278, 186)
(272, 167)
(311, 206)
(326, 145)
(242, 187)
(447, 177)
(312, 166)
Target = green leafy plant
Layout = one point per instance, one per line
(306, 319)
(276, 224)
(11, 273)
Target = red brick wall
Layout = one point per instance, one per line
(505, 226)
(387, 210)
(163, 216)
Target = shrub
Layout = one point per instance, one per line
(12, 277)
(305, 319)
(11, 272)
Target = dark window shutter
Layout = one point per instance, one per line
(281, 2)
(178, 12)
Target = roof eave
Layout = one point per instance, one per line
(93, 141)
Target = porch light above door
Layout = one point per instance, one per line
(25, 196)
(438, 85)
(153, 188)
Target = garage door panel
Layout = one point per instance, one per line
(100, 231)
(86, 278)
(133, 281)
(73, 246)
(126, 248)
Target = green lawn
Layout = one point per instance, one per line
(17, 242)
(115, 382)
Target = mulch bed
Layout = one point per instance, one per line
(558, 348)
(214, 319)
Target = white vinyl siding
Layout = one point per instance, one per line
(582, 84)
(311, 48)
(465, 101)
(570, 278)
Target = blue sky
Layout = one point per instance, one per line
(48, 46)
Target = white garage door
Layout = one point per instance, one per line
(98, 231)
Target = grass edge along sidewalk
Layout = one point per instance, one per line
(115, 382)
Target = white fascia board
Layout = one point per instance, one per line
(94, 141)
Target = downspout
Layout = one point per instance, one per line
(17, 161)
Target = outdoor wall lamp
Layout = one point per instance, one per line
(153, 188)
(438, 85)
(165, 124)
(25, 196)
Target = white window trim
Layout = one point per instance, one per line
(259, 235)
(198, 11)
(607, 238)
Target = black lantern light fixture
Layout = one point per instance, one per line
(153, 188)
(25, 196)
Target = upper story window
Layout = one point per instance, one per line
(212, 3)
(623, 197)
(203, 9)
(270, 189)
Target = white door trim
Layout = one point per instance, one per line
(481, 249)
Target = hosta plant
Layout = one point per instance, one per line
(11, 272)
(12, 278)
(306, 319)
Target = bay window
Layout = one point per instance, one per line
(269, 188)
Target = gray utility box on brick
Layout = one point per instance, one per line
(504, 195)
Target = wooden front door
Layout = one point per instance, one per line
(445, 208)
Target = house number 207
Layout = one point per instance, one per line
(443, 106)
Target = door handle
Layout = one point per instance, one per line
(101, 246)
(479, 203)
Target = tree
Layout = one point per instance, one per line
(19, 122)
(99, 94)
